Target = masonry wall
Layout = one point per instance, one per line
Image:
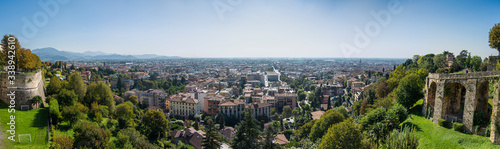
(28, 86)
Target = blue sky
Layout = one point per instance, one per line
(254, 28)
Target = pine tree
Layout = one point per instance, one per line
(248, 132)
(210, 140)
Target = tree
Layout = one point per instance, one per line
(494, 38)
(383, 88)
(133, 138)
(100, 93)
(409, 90)
(133, 99)
(75, 83)
(321, 125)
(475, 63)
(269, 135)
(155, 125)
(440, 61)
(54, 113)
(287, 111)
(37, 100)
(248, 132)
(62, 142)
(71, 114)
(125, 115)
(89, 135)
(209, 142)
(372, 117)
(67, 98)
(344, 135)
(54, 86)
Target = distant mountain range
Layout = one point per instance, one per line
(52, 54)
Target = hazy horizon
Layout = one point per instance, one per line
(255, 29)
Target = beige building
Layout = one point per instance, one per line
(184, 105)
(283, 99)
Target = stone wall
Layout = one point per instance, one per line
(27, 86)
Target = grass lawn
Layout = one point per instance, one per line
(32, 122)
(434, 136)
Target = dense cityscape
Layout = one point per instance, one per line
(241, 74)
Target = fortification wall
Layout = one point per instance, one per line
(26, 86)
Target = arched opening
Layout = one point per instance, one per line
(431, 96)
(453, 102)
(482, 110)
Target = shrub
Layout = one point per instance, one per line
(405, 138)
(488, 131)
(442, 122)
(372, 117)
(458, 127)
(345, 134)
(62, 142)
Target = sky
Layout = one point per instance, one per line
(254, 28)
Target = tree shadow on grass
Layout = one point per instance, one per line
(410, 125)
(3, 105)
(41, 118)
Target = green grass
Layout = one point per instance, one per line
(434, 136)
(32, 122)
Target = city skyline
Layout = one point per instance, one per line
(219, 28)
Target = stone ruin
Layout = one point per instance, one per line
(463, 97)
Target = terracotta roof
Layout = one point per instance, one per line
(281, 139)
(182, 97)
(317, 114)
(229, 133)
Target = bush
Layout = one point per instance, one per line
(442, 122)
(405, 138)
(345, 134)
(488, 131)
(458, 127)
(62, 142)
(372, 117)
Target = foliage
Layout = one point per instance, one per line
(37, 100)
(305, 129)
(71, 114)
(383, 88)
(404, 139)
(75, 83)
(67, 98)
(458, 126)
(23, 58)
(396, 115)
(155, 125)
(345, 134)
(132, 137)
(494, 37)
(409, 90)
(248, 132)
(372, 118)
(89, 135)
(54, 86)
(125, 115)
(54, 113)
(321, 125)
(342, 110)
(209, 142)
(100, 93)
(62, 142)
(442, 122)
(269, 135)
(287, 111)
